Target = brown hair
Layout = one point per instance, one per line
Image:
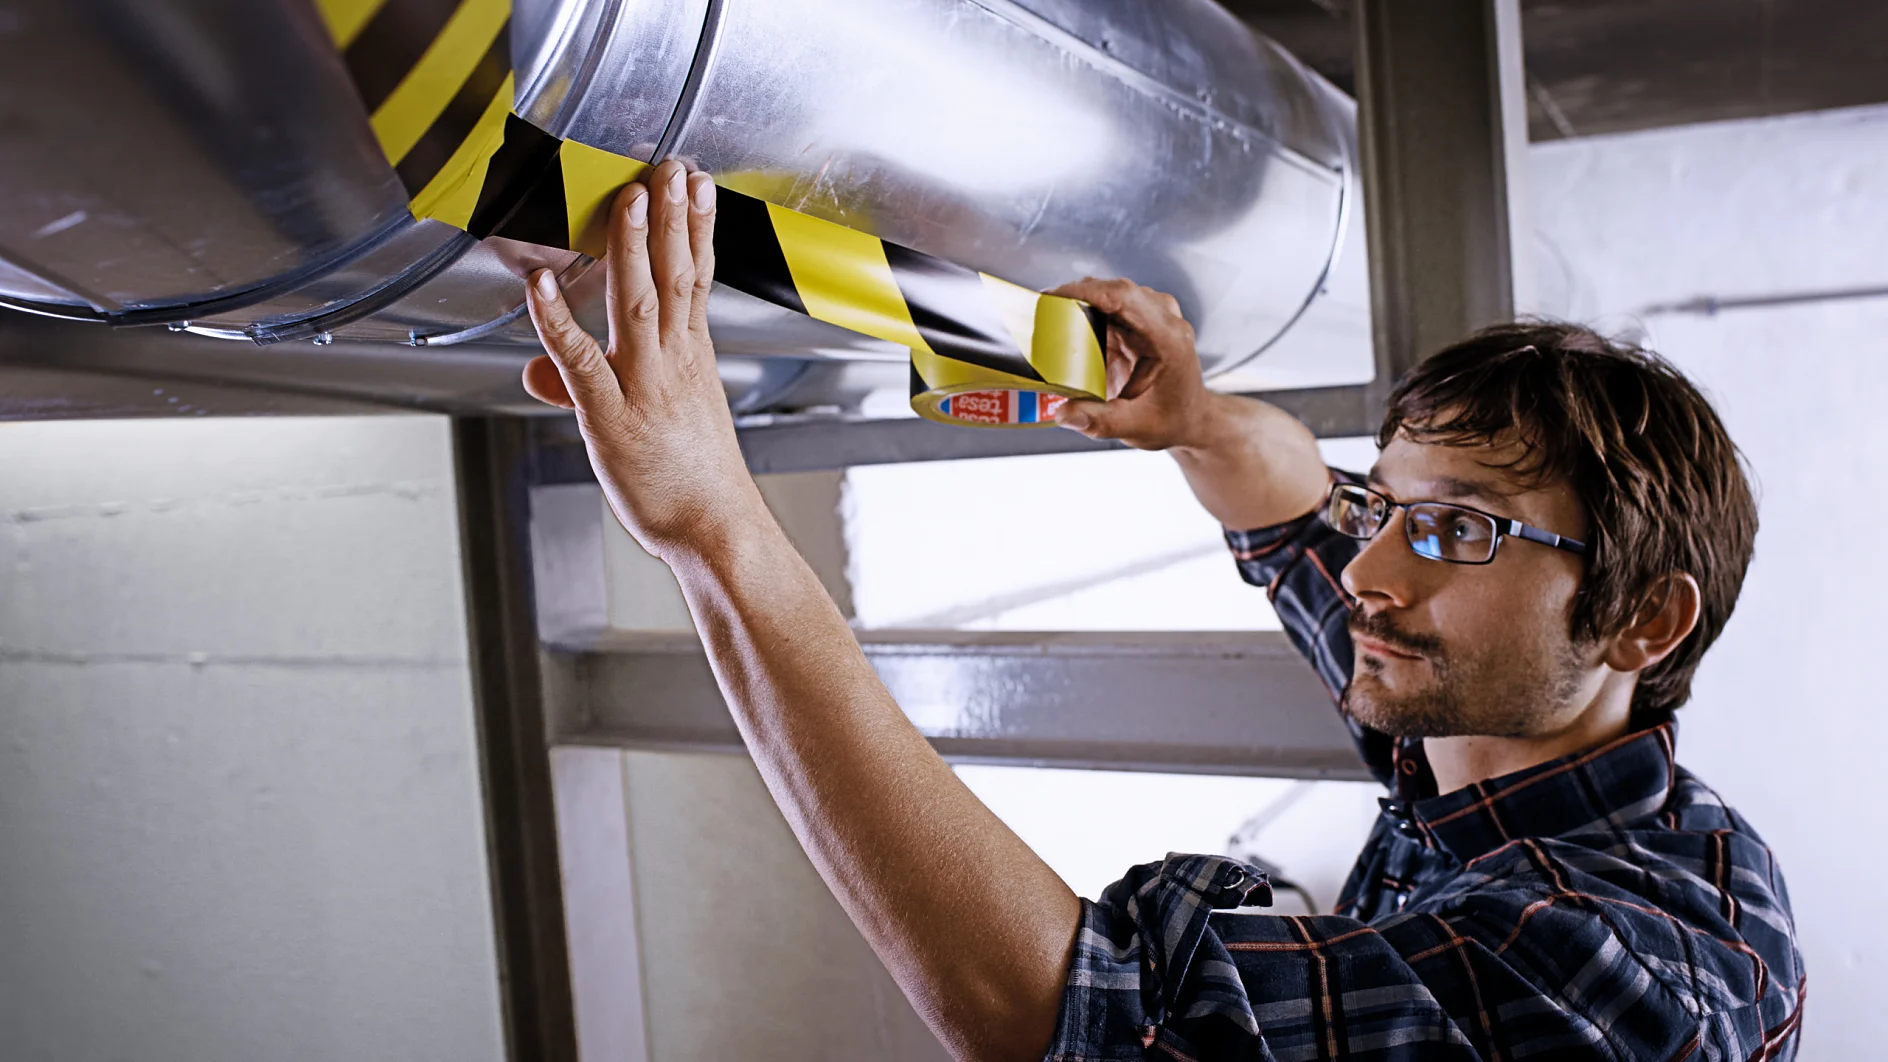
(1663, 485)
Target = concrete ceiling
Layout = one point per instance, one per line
(1612, 66)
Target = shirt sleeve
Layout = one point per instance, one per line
(1154, 975)
(1299, 563)
(1163, 970)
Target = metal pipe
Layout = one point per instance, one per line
(207, 160)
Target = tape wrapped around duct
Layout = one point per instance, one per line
(436, 81)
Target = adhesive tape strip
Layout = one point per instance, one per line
(435, 77)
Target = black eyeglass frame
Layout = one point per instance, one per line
(1504, 527)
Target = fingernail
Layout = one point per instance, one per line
(678, 185)
(704, 195)
(638, 210)
(547, 284)
(1076, 421)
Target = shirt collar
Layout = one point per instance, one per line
(1606, 787)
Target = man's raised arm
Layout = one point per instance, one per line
(974, 927)
(1249, 463)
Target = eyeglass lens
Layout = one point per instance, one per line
(1437, 531)
(1444, 532)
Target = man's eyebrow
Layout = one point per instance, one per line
(1453, 488)
(1456, 487)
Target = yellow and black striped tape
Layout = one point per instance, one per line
(436, 79)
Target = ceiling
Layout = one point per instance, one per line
(1613, 66)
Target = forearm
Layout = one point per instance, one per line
(1252, 464)
(975, 928)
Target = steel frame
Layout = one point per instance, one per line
(491, 459)
(1198, 703)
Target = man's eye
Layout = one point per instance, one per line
(1465, 528)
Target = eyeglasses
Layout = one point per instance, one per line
(1439, 531)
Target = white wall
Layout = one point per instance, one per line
(240, 814)
(1786, 716)
(1097, 541)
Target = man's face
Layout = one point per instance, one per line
(1444, 650)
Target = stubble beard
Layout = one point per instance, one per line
(1496, 694)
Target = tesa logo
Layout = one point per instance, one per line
(982, 407)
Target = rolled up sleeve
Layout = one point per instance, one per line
(1156, 974)
(1146, 966)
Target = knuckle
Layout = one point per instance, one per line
(682, 284)
(644, 308)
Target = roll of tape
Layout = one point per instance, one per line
(435, 77)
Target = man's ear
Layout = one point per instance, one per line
(1668, 614)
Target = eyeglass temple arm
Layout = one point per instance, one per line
(1545, 538)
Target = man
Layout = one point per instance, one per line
(1510, 607)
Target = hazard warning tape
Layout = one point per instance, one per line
(435, 77)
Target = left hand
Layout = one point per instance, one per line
(651, 408)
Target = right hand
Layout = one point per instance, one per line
(1156, 398)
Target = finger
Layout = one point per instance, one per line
(1104, 295)
(587, 377)
(631, 292)
(1139, 309)
(1102, 420)
(542, 382)
(701, 237)
(1140, 379)
(670, 259)
(1118, 360)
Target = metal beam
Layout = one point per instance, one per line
(77, 370)
(1211, 703)
(491, 459)
(1436, 152)
(813, 444)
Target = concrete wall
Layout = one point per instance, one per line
(240, 814)
(1785, 719)
(699, 931)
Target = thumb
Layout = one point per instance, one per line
(1093, 418)
(588, 378)
(543, 382)
(1134, 421)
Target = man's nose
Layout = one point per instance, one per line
(1386, 572)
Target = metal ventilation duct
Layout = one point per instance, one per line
(207, 161)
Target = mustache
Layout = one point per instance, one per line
(1378, 627)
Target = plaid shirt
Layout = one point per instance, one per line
(1607, 905)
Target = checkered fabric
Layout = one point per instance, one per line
(1602, 906)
